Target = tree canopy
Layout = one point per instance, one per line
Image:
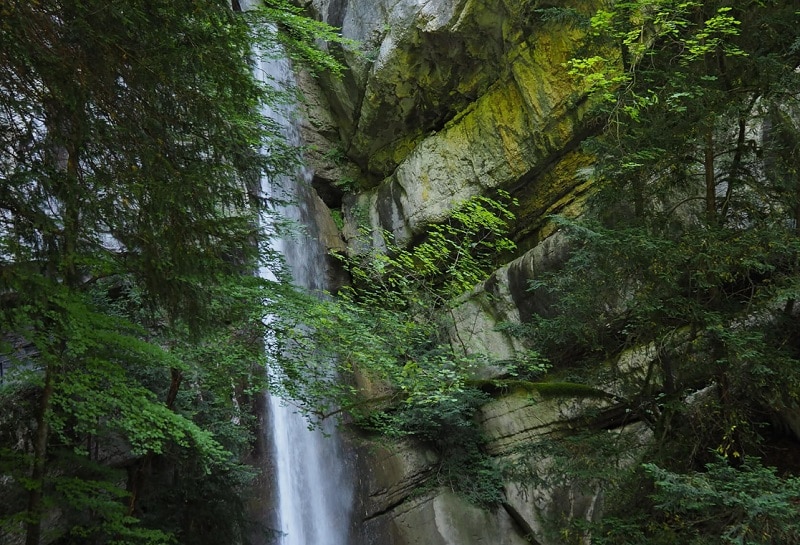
(685, 260)
(132, 144)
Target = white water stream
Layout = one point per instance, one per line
(314, 492)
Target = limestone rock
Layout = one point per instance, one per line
(323, 150)
(474, 329)
(392, 474)
(520, 418)
(331, 240)
(505, 297)
(421, 62)
(451, 99)
(424, 62)
(507, 137)
(540, 510)
(543, 507)
(442, 518)
(455, 98)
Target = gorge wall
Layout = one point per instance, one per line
(449, 99)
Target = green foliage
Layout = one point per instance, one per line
(687, 243)
(347, 184)
(562, 16)
(417, 286)
(750, 505)
(380, 351)
(129, 163)
(111, 395)
(281, 22)
(630, 38)
(390, 326)
(445, 423)
(98, 513)
(338, 219)
(681, 283)
(451, 259)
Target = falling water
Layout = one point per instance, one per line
(313, 490)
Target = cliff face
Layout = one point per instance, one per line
(451, 99)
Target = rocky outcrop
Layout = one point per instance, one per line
(456, 99)
(442, 518)
(505, 297)
(394, 474)
(400, 508)
(421, 62)
(446, 100)
(518, 130)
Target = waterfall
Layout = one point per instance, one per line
(314, 493)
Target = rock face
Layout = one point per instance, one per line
(462, 97)
(466, 94)
(443, 519)
(446, 100)
(397, 513)
(505, 297)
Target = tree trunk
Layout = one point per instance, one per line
(710, 178)
(65, 157)
(138, 474)
(39, 465)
